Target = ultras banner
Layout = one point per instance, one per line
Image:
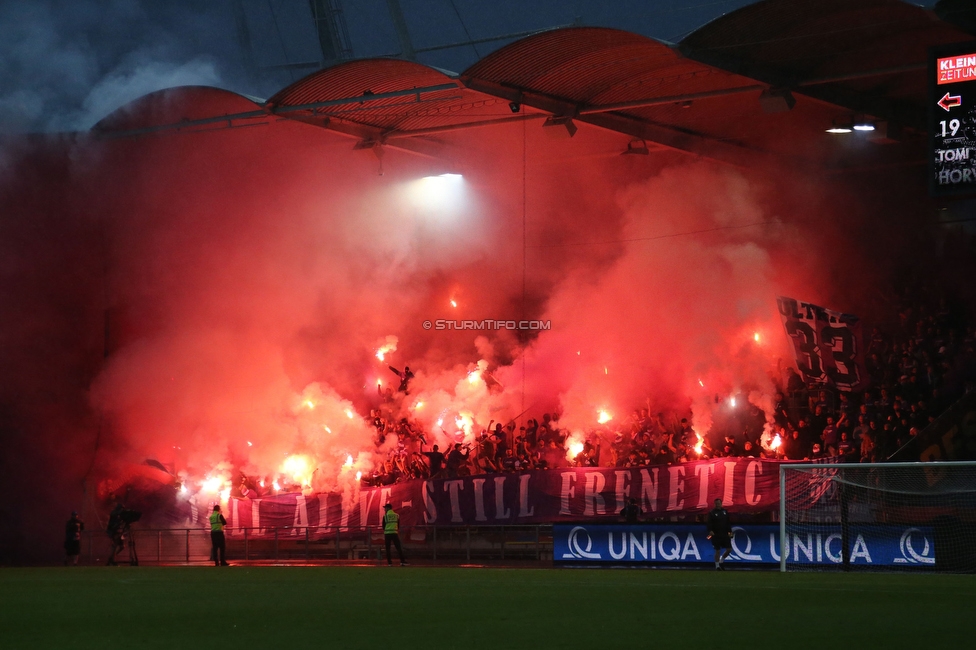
(828, 345)
(745, 485)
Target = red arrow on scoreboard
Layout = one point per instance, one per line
(950, 101)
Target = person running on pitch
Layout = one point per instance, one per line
(391, 533)
(720, 532)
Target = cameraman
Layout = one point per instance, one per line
(118, 531)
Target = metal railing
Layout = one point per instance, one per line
(312, 544)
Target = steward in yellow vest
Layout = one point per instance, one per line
(218, 544)
(391, 533)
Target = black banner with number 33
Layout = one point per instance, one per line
(828, 345)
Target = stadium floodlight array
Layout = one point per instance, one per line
(878, 516)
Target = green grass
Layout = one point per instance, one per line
(424, 607)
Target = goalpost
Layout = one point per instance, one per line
(878, 516)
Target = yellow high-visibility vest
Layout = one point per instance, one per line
(215, 525)
(391, 523)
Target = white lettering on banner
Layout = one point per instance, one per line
(649, 489)
(235, 519)
(301, 514)
(365, 501)
(479, 499)
(815, 550)
(807, 549)
(727, 495)
(675, 552)
(836, 559)
(323, 510)
(738, 532)
(566, 492)
(453, 487)
(430, 516)
(675, 484)
(256, 515)
(751, 469)
(774, 544)
(621, 488)
(690, 548)
(703, 472)
(345, 511)
(524, 509)
(384, 499)
(593, 502)
(638, 546)
(623, 546)
(501, 512)
(860, 550)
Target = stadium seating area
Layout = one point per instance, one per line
(918, 367)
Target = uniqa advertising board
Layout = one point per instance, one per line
(870, 545)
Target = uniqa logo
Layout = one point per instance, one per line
(908, 553)
(575, 550)
(738, 534)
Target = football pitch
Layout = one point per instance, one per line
(431, 607)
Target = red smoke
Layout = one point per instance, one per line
(236, 276)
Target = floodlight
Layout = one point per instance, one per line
(841, 126)
(440, 193)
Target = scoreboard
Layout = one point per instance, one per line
(952, 120)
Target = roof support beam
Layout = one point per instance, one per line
(820, 89)
(684, 141)
(370, 136)
(365, 97)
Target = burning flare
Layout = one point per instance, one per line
(299, 468)
(389, 345)
(574, 445)
(603, 417)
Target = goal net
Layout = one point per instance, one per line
(878, 516)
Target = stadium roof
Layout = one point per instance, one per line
(761, 82)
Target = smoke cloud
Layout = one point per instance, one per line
(215, 301)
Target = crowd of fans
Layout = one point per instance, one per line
(915, 374)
